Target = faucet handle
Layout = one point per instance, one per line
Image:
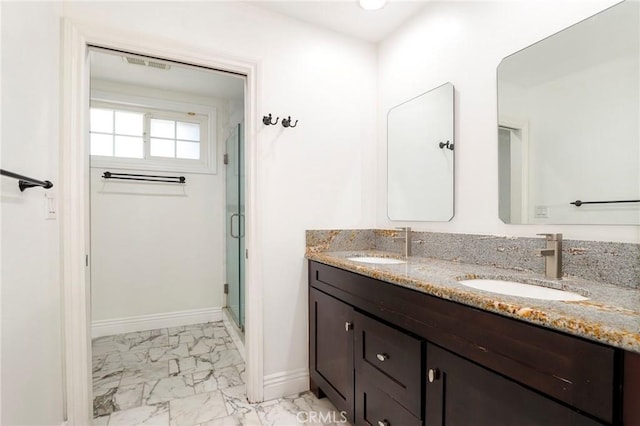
(551, 237)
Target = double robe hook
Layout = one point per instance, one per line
(267, 120)
(286, 122)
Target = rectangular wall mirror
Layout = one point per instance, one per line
(420, 157)
(569, 131)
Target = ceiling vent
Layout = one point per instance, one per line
(158, 65)
(145, 62)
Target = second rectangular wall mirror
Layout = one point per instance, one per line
(420, 157)
(569, 131)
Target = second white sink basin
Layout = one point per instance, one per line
(378, 260)
(522, 290)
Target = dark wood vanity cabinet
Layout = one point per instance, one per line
(392, 356)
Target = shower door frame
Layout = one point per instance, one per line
(74, 196)
(235, 159)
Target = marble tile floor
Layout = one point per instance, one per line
(187, 376)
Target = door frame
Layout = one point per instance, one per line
(74, 200)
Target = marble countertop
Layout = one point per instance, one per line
(611, 315)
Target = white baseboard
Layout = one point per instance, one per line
(286, 383)
(151, 322)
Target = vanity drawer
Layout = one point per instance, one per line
(391, 359)
(375, 408)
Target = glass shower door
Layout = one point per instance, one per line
(235, 225)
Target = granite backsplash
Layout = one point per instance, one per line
(612, 263)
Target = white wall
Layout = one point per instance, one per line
(31, 326)
(137, 267)
(156, 248)
(463, 42)
(320, 174)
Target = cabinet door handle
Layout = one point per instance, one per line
(382, 357)
(384, 422)
(348, 326)
(434, 374)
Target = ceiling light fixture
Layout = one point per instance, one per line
(372, 4)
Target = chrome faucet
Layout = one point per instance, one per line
(552, 255)
(406, 251)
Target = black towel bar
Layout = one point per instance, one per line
(146, 178)
(25, 182)
(578, 203)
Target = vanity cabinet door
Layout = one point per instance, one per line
(631, 389)
(331, 349)
(461, 393)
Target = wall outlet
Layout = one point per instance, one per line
(542, 212)
(49, 207)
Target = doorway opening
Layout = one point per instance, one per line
(167, 230)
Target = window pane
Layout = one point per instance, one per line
(130, 147)
(162, 148)
(188, 131)
(101, 144)
(163, 128)
(189, 150)
(129, 123)
(101, 120)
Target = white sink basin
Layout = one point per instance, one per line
(378, 260)
(523, 290)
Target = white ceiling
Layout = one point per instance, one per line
(347, 17)
(343, 16)
(185, 79)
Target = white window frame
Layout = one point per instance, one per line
(162, 109)
(177, 117)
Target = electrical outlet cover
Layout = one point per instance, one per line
(542, 212)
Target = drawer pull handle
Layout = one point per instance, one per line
(384, 422)
(382, 357)
(348, 326)
(434, 374)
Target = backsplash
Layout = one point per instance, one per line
(613, 263)
(341, 240)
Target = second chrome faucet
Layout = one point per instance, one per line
(552, 255)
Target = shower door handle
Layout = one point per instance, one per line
(231, 225)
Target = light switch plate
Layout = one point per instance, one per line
(50, 207)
